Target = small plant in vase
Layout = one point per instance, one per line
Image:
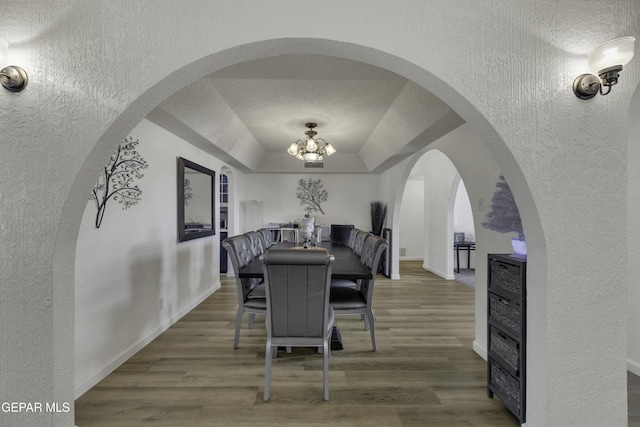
(311, 194)
(504, 216)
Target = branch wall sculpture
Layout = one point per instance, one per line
(311, 194)
(117, 179)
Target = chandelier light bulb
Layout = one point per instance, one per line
(311, 145)
(293, 149)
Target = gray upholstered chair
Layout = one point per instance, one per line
(251, 294)
(352, 238)
(258, 246)
(323, 233)
(358, 245)
(267, 237)
(340, 234)
(357, 239)
(351, 300)
(298, 311)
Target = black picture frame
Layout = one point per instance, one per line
(197, 193)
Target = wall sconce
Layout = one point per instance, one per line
(12, 77)
(606, 61)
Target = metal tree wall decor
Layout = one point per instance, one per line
(311, 194)
(117, 179)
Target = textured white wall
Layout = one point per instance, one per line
(505, 67)
(633, 265)
(439, 178)
(133, 278)
(411, 228)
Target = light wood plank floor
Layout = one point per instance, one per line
(423, 374)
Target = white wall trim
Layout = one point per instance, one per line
(439, 273)
(633, 367)
(86, 385)
(481, 351)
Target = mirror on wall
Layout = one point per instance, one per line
(196, 201)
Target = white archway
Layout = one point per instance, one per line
(100, 67)
(64, 252)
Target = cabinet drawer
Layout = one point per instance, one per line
(507, 349)
(506, 387)
(505, 278)
(506, 313)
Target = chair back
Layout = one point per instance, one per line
(340, 234)
(267, 237)
(240, 253)
(258, 245)
(360, 239)
(352, 238)
(372, 251)
(297, 285)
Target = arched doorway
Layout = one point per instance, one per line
(64, 259)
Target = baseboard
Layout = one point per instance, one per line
(481, 351)
(439, 273)
(86, 385)
(633, 367)
(411, 258)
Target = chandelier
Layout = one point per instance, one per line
(311, 149)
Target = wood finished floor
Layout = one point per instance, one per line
(423, 374)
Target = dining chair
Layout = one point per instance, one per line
(267, 237)
(298, 312)
(359, 300)
(258, 245)
(358, 245)
(251, 293)
(340, 233)
(352, 238)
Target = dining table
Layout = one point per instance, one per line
(347, 264)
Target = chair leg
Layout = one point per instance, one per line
(238, 323)
(372, 329)
(252, 317)
(325, 370)
(267, 371)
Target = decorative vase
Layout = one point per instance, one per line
(519, 246)
(306, 226)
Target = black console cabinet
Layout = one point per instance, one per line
(507, 331)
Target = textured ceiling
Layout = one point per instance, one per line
(250, 113)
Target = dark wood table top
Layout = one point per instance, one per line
(347, 265)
